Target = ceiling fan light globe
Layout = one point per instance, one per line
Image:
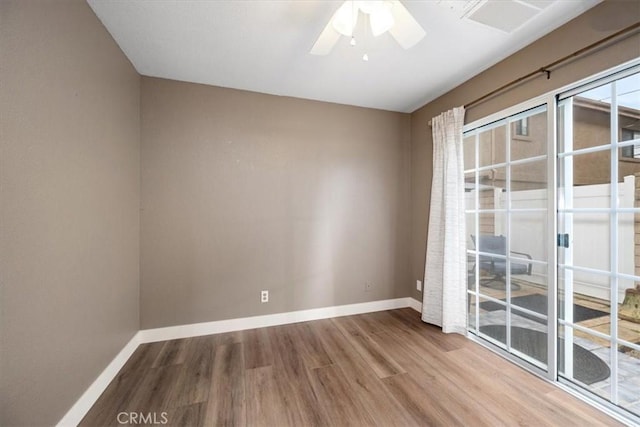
(381, 20)
(345, 19)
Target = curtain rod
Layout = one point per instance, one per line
(549, 67)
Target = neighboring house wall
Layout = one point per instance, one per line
(69, 206)
(591, 127)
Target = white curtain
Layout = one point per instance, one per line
(445, 275)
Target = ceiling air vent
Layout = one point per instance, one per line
(504, 15)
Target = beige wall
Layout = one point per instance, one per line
(243, 192)
(600, 21)
(69, 206)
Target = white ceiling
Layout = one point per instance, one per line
(263, 46)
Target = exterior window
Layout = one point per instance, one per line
(632, 151)
(522, 127)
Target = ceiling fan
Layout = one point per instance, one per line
(382, 15)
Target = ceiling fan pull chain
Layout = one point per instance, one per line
(365, 36)
(354, 10)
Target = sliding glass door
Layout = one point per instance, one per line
(553, 224)
(599, 226)
(507, 200)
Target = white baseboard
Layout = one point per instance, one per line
(220, 326)
(91, 395)
(415, 304)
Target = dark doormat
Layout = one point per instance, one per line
(538, 303)
(499, 285)
(587, 367)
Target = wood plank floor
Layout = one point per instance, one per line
(385, 369)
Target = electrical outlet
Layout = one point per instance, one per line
(264, 296)
(368, 286)
(419, 285)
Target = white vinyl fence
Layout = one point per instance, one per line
(590, 240)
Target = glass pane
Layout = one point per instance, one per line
(492, 147)
(629, 296)
(564, 143)
(629, 167)
(493, 320)
(628, 247)
(471, 230)
(529, 136)
(628, 97)
(591, 169)
(529, 336)
(587, 305)
(629, 311)
(492, 224)
(629, 369)
(628, 130)
(628, 377)
(471, 318)
(471, 272)
(585, 359)
(469, 147)
(492, 185)
(629, 363)
(592, 118)
(529, 235)
(628, 91)
(492, 260)
(470, 190)
(585, 179)
(590, 245)
(488, 198)
(530, 291)
(585, 296)
(529, 176)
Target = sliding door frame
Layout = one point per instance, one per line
(554, 200)
(565, 99)
(548, 101)
(552, 246)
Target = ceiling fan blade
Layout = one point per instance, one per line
(328, 38)
(406, 30)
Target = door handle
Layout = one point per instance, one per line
(563, 240)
